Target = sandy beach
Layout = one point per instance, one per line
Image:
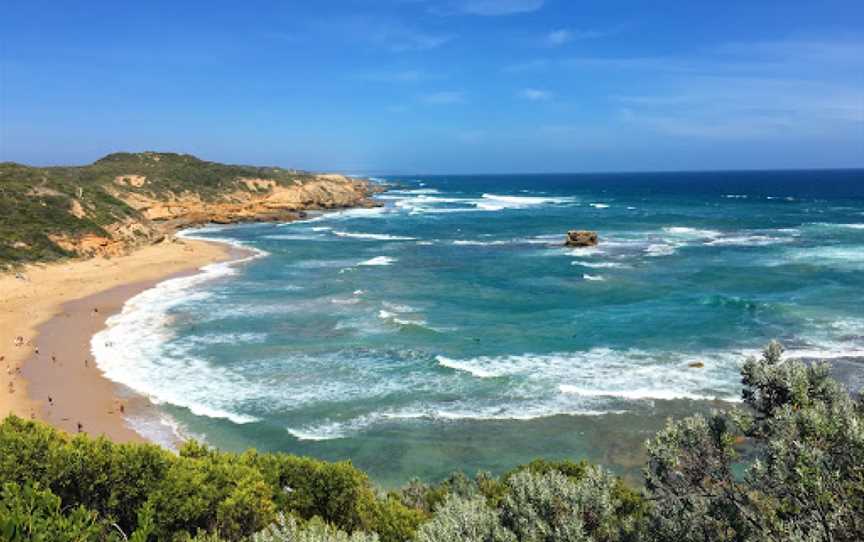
(48, 315)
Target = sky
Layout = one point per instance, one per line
(437, 86)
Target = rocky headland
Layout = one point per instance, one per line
(128, 200)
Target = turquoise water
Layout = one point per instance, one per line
(450, 329)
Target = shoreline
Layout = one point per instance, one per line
(47, 323)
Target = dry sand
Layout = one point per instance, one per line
(52, 315)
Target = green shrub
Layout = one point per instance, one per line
(805, 479)
(28, 513)
(802, 480)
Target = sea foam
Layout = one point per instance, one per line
(131, 349)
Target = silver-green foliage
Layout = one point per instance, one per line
(288, 529)
(804, 439)
(552, 508)
(464, 519)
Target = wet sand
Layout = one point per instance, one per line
(46, 324)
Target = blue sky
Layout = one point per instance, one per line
(438, 86)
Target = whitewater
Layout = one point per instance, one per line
(450, 329)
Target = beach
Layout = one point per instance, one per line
(48, 315)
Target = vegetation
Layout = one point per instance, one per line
(38, 203)
(787, 466)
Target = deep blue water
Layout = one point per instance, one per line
(450, 329)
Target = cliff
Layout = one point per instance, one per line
(126, 200)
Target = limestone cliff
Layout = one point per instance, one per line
(126, 200)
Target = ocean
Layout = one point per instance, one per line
(450, 329)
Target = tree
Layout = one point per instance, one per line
(805, 481)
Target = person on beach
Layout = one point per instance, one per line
(80, 427)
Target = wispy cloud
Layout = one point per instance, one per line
(745, 107)
(382, 33)
(485, 7)
(563, 36)
(759, 91)
(471, 137)
(400, 76)
(535, 95)
(446, 97)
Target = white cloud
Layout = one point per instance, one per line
(383, 33)
(559, 37)
(730, 107)
(447, 97)
(535, 95)
(562, 36)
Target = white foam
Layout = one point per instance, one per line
(843, 256)
(660, 249)
(600, 265)
(853, 226)
(468, 367)
(748, 240)
(586, 276)
(161, 429)
(644, 393)
(130, 350)
(735, 196)
(581, 251)
(461, 411)
(416, 191)
(402, 315)
(345, 301)
(227, 338)
(622, 374)
(692, 232)
(345, 214)
(397, 307)
(477, 242)
(372, 236)
(499, 202)
(378, 260)
(600, 205)
(520, 201)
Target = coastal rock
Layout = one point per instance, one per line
(581, 238)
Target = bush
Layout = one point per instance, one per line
(802, 480)
(465, 519)
(34, 514)
(805, 481)
(288, 529)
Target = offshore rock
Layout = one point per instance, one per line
(581, 238)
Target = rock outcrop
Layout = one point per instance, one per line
(253, 200)
(581, 238)
(126, 200)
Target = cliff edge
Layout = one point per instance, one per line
(125, 200)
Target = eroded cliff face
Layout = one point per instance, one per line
(124, 200)
(158, 215)
(253, 199)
